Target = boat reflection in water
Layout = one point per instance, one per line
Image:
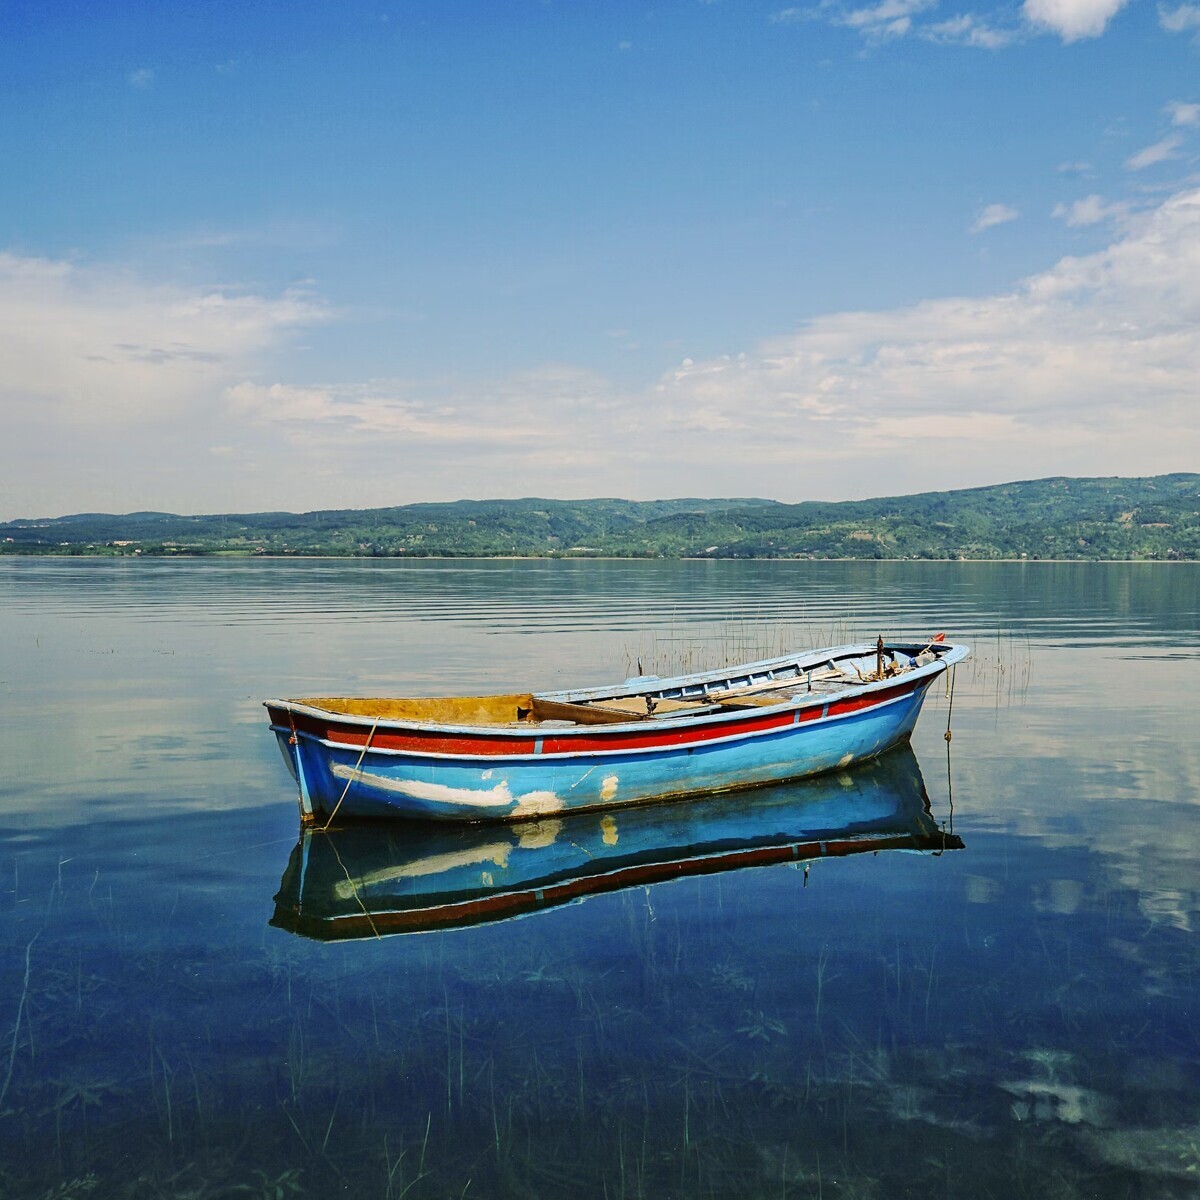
(371, 880)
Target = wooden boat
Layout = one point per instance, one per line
(528, 755)
(369, 880)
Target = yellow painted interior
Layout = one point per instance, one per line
(497, 710)
(442, 710)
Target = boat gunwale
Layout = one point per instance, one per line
(948, 654)
(666, 746)
(649, 685)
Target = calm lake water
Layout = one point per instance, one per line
(1017, 1017)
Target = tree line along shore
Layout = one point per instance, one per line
(1117, 518)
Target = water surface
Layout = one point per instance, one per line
(1017, 1017)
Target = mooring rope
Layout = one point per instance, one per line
(354, 889)
(366, 747)
(949, 737)
(950, 697)
(295, 741)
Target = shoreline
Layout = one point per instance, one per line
(546, 558)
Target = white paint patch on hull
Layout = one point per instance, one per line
(529, 804)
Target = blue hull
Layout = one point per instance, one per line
(447, 788)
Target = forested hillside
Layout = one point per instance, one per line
(1110, 518)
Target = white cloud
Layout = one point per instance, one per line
(118, 395)
(882, 21)
(1183, 114)
(1159, 152)
(1181, 19)
(968, 30)
(1075, 370)
(142, 78)
(1091, 210)
(889, 18)
(518, 414)
(992, 215)
(104, 347)
(111, 387)
(1072, 19)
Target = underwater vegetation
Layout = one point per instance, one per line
(1013, 1019)
(657, 1042)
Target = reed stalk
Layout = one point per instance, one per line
(16, 1035)
(822, 961)
(391, 1167)
(166, 1077)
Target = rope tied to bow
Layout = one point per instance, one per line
(353, 775)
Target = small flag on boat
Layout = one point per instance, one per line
(937, 637)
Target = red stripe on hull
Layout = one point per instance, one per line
(588, 739)
(857, 703)
(680, 736)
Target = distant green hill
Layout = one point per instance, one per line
(1109, 518)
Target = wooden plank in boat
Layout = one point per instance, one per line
(760, 701)
(635, 706)
(581, 714)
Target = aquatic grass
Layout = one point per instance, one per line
(167, 1077)
(287, 1183)
(494, 1113)
(391, 1167)
(200, 1115)
(449, 1059)
(668, 653)
(394, 1165)
(929, 972)
(332, 1117)
(822, 965)
(16, 1033)
(295, 1059)
(621, 1048)
(1002, 663)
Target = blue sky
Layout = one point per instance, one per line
(299, 255)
